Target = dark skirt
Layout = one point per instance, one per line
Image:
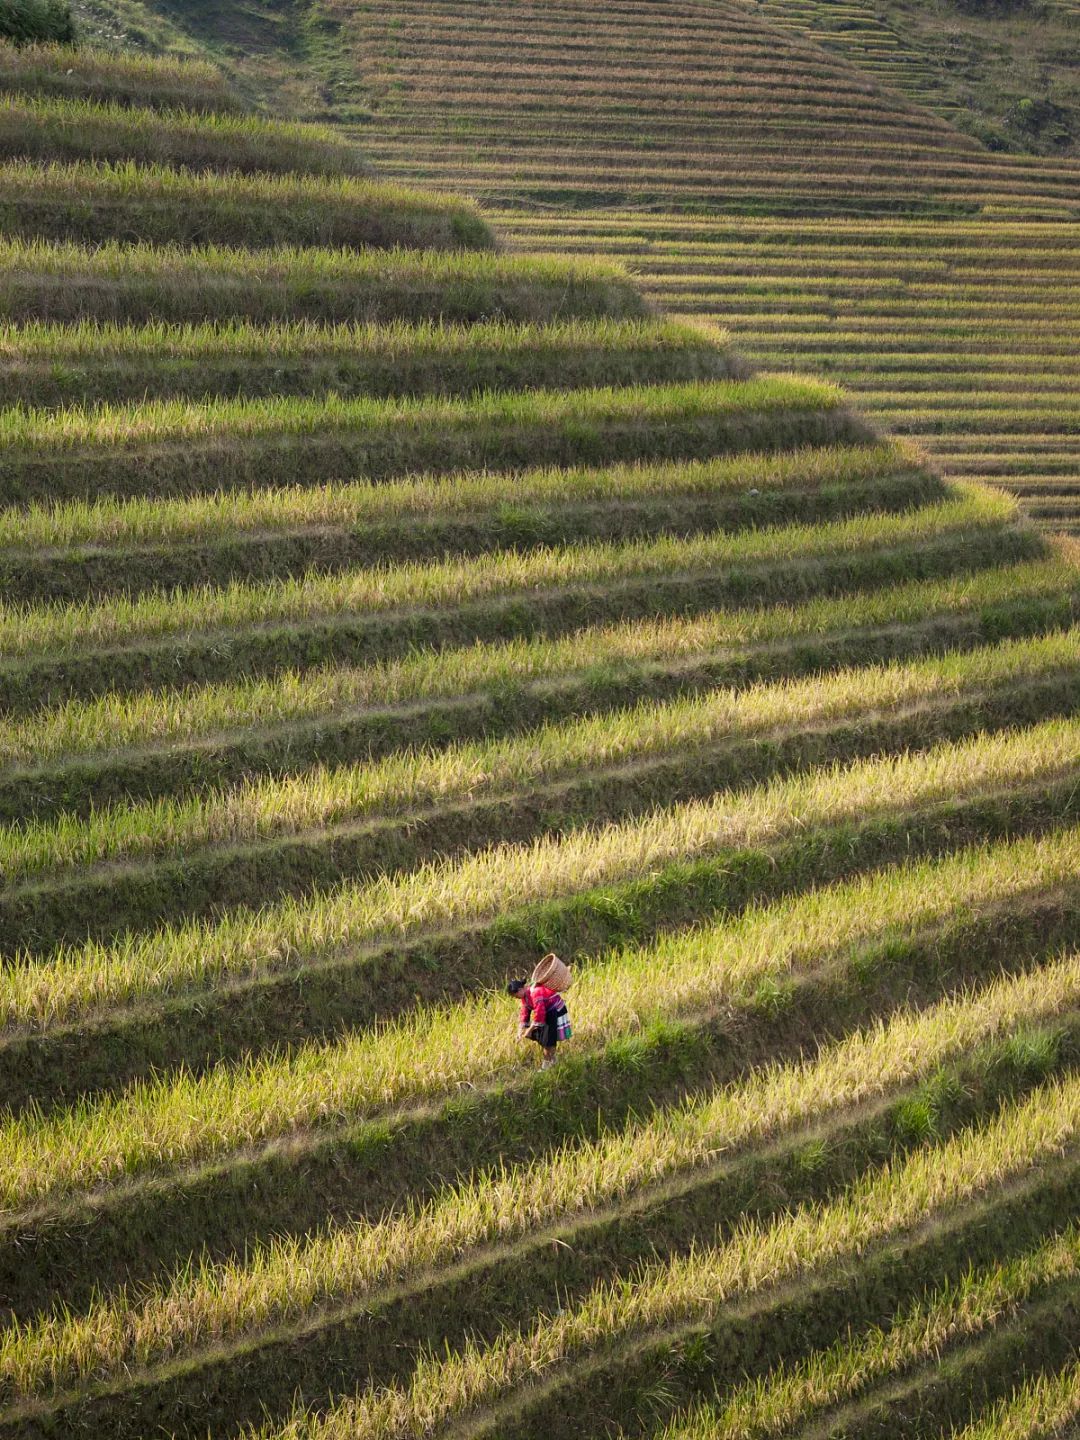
(547, 1035)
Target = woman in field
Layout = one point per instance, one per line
(544, 1016)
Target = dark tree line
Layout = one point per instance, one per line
(29, 21)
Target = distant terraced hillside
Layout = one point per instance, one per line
(381, 609)
(1003, 72)
(749, 175)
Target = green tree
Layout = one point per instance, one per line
(28, 21)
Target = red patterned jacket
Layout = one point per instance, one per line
(535, 1000)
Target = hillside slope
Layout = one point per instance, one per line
(936, 279)
(382, 609)
(1004, 72)
(956, 323)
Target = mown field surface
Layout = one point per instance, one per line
(749, 175)
(381, 613)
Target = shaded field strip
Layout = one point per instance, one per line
(681, 1363)
(982, 1375)
(483, 46)
(254, 556)
(1046, 1405)
(855, 278)
(935, 251)
(176, 448)
(46, 367)
(131, 79)
(876, 962)
(751, 134)
(798, 167)
(941, 321)
(136, 1233)
(925, 247)
(50, 532)
(522, 113)
(949, 263)
(65, 905)
(86, 666)
(51, 129)
(780, 275)
(727, 171)
(191, 1117)
(379, 591)
(912, 164)
(1000, 374)
(1054, 420)
(96, 753)
(461, 67)
(780, 310)
(614, 103)
(671, 229)
(944, 258)
(407, 781)
(935, 255)
(117, 283)
(680, 1299)
(1004, 470)
(219, 1385)
(826, 1390)
(846, 301)
(1033, 1332)
(741, 145)
(802, 297)
(801, 198)
(92, 203)
(896, 339)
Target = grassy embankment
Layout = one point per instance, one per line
(830, 223)
(377, 617)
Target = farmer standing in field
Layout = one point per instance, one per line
(544, 1016)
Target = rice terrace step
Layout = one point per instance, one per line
(596, 478)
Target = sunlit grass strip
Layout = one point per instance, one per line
(472, 889)
(877, 236)
(111, 722)
(84, 71)
(169, 282)
(973, 1306)
(132, 522)
(178, 422)
(177, 445)
(73, 628)
(43, 365)
(88, 341)
(65, 129)
(155, 203)
(35, 990)
(1037, 1410)
(691, 1288)
(282, 1279)
(262, 808)
(425, 1053)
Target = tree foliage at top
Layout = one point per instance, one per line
(36, 21)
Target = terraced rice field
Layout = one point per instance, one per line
(975, 65)
(378, 617)
(752, 177)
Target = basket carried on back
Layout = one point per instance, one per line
(552, 972)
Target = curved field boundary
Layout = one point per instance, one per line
(93, 752)
(153, 204)
(131, 283)
(54, 130)
(47, 367)
(85, 73)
